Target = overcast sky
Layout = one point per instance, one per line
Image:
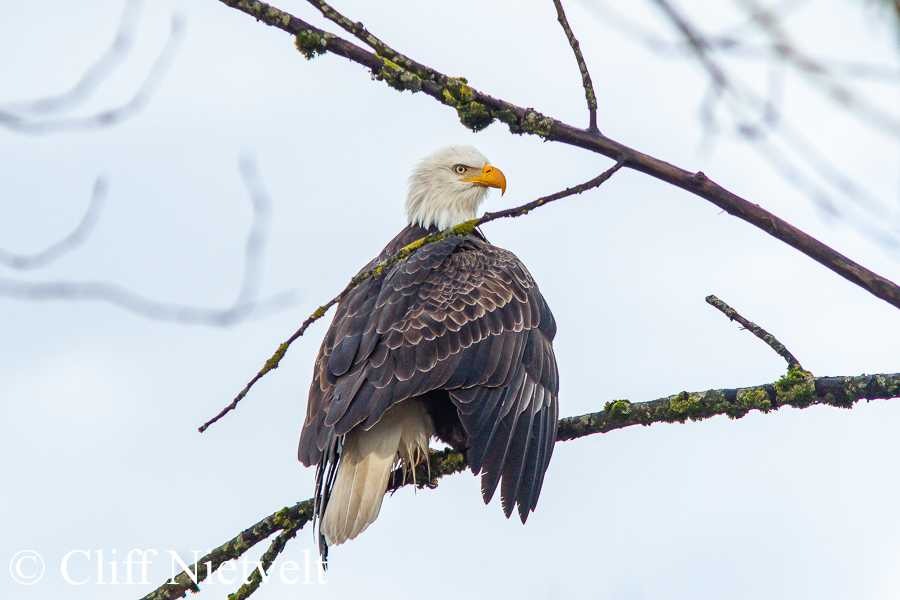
(100, 406)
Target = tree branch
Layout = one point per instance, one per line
(477, 110)
(404, 253)
(582, 66)
(62, 247)
(771, 119)
(356, 29)
(247, 300)
(798, 389)
(285, 520)
(19, 124)
(756, 330)
(96, 74)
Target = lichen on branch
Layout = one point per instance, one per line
(797, 388)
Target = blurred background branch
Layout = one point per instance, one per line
(246, 304)
(753, 109)
(38, 116)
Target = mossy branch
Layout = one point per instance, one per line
(477, 110)
(268, 557)
(404, 253)
(359, 31)
(797, 388)
(289, 521)
(756, 330)
(286, 520)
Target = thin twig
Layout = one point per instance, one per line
(404, 253)
(796, 389)
(357, 29)
(582, 66)
(817, 72)
(756, 330)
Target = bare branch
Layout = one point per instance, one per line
(756, 330)
(141, 98)
(754, 129)
(740, 99)
(817, 73)
(462, 229)
(95, 74)
(730, 42)
(141, 305)
(246, 303)
(582, 66)
(68, 243)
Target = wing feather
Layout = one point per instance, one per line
(462, 316)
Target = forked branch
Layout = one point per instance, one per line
(477, 110)
(797, 389)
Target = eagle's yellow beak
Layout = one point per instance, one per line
(490, 177)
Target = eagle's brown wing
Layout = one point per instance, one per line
(462, 316)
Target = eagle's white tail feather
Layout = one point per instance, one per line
(367, 459)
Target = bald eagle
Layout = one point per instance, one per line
(454, 343)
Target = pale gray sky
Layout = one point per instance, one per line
(100, 407)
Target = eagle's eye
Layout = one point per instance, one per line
(460, 169)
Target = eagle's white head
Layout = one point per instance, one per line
(447, 187)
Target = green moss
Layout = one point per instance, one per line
(273, 13)
(855, 391)
(282, 519)
(683, 403)
(465, 228)
(310, 44)
(474, 115)
(533, 122)
(747, 400)
(451, 463)
(891, 387)
(755, 399)
(617, 408)
(272, 363)
(443, 462)
(796, 388)
(397, 77)
(254, 8)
